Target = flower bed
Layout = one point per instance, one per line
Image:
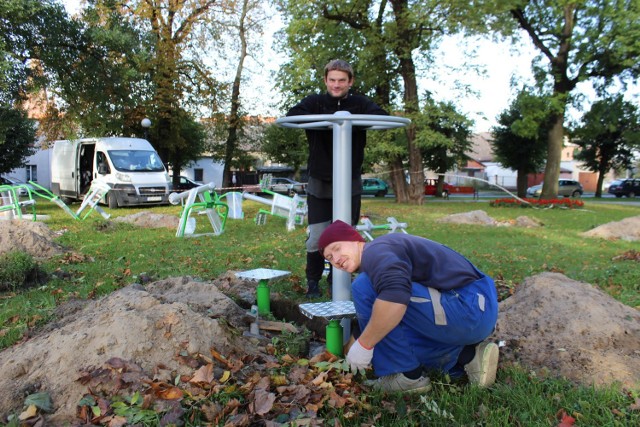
(565, 203)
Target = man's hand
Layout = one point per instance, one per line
(359, 357)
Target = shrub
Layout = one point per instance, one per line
(565, 203)
(15, 269)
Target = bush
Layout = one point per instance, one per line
(15, 270)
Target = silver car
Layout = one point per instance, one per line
(566, 188)
(287, 186)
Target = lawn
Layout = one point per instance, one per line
(115, 255)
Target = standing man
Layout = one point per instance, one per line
(420, 306)
(338, 78)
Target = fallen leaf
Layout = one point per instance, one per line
(172, 393)
(203, 375)
(565, 419)
(263, 401)
(320, 379)
(225, 377)
(117, 421)
(30, 412)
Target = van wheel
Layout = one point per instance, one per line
(445, 194)
(66, 200)
(112, 201)
(631, 194)
(381, 193)
(576, 194)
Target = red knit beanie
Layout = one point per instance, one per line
(338, 231)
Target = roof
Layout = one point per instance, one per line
(481, 149)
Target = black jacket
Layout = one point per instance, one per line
(320, 163)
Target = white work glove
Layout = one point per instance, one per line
(359, 358)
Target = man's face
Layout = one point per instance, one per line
(345, 256)
(338, 83)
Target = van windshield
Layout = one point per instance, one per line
(136, 161)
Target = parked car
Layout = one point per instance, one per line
(7, 180)
(286, 186)
(625, 187)
(185, 184)
(566, 188)
(374, 187)
(431, 185)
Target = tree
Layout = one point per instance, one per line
(444, 138)
(581, 40)
(17, 137)
(29, 30)
(286, 146)
(608, 135)
(246, 24)
(519, 139)
(381, 38)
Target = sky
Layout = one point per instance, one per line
(492, 92)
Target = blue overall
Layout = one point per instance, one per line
(430, 334)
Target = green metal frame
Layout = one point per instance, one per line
(15, 204)
(211, 205)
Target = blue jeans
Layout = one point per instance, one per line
(470, 312)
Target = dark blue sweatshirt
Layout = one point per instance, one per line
(393, 261)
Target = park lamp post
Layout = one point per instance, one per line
(146, 124)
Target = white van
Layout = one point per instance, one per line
(130, 166)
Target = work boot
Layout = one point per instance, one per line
(313, 289)
(482, 368)
(399, 382)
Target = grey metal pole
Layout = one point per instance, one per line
(342, 152)
(342, 124)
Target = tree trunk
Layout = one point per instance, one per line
(398, 180)
(554, 156)
(403, 49)
(521, 184)
(234, 115)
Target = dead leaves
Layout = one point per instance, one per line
(274, 391)
(631, 255)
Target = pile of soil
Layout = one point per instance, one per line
(626, 229)
(34, 238)
(570, 329)
(480, 217)
(151, 327)
(147, 219)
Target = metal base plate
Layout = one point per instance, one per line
(329, 310)
(259, 274)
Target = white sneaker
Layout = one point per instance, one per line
(398, 382)
(482, 368)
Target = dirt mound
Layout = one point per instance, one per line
(34, 238)
(571, 329)
(149, 326)
(150, 220)
(480, 217)
(626, 229)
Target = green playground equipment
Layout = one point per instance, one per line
(210, 205)
(12, 203)
(96, 193)
(42, 192)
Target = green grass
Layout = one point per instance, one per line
(114, 255)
